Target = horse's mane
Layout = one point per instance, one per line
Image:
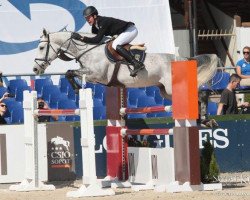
(85, 34)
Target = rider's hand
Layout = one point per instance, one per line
(76, 36)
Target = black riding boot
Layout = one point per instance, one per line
(137, 65)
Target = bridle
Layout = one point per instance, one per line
(46, 60)
(61, 53)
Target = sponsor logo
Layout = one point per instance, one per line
(218, 137)
(60, 156)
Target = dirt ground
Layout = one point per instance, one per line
(231, 191)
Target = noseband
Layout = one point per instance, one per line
(45, 60)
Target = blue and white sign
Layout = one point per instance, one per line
(22, 22)
(73, 7)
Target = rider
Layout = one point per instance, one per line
(108, 26)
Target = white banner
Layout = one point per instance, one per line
(22, 22)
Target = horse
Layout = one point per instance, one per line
(97, 68)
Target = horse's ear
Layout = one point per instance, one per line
(44, 32)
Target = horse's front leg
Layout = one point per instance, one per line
(203, 108)
(203, 102)
(70, 75)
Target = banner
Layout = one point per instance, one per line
(22, 22)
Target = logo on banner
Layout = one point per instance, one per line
(217, 137)
(60, 156)
(74, 7)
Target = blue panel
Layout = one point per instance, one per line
(2, 91)
(15, 83)
(101, 168)
(212, 108)
(150, 91)
(220, 80)
(19, 92)
(40, 83)
(146, 101)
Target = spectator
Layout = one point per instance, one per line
(3, 108)
(1, 79)
(43, 105)
(228, 103)
(243, 65)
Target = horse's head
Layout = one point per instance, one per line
(46, 53)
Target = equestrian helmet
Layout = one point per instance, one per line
(90, 10)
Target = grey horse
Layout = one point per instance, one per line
(97, 68)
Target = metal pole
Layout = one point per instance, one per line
(33, 74)
(195, 28)
(190, 28)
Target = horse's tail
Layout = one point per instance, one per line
(207, 67)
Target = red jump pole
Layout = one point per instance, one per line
(56, 112)
(154, 109)
(162, 131)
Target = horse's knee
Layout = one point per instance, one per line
(70, 74)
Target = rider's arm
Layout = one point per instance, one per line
(97, 39)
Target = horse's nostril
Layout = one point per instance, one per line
(35, 69)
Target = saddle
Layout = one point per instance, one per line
(137, 51)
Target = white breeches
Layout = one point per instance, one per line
(126, 37)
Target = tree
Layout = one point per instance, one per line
(209, 167)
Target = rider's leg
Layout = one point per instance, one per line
(137, 65)
(125, 38)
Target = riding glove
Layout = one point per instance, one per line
(77, 36)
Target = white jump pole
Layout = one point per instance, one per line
(31, 181)
(88, 150)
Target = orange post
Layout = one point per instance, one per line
(184, 90)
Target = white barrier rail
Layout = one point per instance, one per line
(32, 181)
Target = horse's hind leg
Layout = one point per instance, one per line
(203, 108)
(163, 92)
(203, 102)
(70, 75)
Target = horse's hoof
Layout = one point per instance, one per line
(76, 91)
(214, 123)
(209, 123)
(132, 74)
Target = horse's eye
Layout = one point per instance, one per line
(41, 48)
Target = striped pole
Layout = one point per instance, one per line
(160, 131)
(56, 112)
(153, 109)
